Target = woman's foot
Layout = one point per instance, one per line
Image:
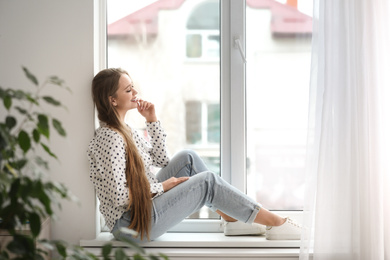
(238, 228)
(289, 230)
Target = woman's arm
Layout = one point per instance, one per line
(158, 153)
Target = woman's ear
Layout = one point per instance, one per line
(113, 101)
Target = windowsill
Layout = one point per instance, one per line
(198, 240)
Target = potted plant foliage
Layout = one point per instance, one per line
(27, 197)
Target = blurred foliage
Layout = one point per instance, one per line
(27, 196)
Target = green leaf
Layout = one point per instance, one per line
(7, 102)
(152, 257)
(42, 162)
(138, 257)
(45, 200)
(131, 244)
(2, 93)
(19, 94)
(31, 99)
(14, 190)
(36, 135)
(21, 245)
(10, 121)
(61, 248)
(58, 126)
(120, 255)
(55, 80)
(58, 188)
(24, 141)
(51, 101)
(24, 112)
(35, 224)
(46, 148)
(21, 110)
(41, 254)
(30, 76)
(19, 164)
(7, 154)
(106, 250)
(4, 255)
(43, 125)
(164, 256)
(91, 256)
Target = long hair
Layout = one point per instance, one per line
(104, 85)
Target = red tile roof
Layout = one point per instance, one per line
(144, 20)
(286, 19)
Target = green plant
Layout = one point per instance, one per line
(27, 196)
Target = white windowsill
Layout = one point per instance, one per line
(198, 240)
(191, 246)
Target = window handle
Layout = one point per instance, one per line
(237, 44)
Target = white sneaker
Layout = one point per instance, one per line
(289, 230)
(241, 229)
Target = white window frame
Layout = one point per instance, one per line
(233, 102)
(100, 63)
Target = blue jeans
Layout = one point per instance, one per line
(202, 188)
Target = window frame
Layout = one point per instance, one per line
(233, 91)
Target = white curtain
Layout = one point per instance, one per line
(347, 210)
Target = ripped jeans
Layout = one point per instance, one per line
(202, 188)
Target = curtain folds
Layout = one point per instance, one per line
(347, 210)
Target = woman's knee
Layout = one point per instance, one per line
(208, 176)
(187, 153)
(194, 161)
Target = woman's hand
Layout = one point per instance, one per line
(146, 109)
(172, 182)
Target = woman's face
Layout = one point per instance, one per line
(126, 96)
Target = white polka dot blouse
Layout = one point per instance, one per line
(107, 158)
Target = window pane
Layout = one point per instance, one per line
(160, 44)
(194, 46)
(278, 70)
(213, 123)
(194, 122)
(213, 46)
(204, 15)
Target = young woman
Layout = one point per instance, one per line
(132, 196)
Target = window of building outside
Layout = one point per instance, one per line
(172, 52)
(202, 40)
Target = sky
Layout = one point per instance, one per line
(121, 8)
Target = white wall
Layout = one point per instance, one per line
(56, 38)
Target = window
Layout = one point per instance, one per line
(278, 50)
(202, 40)
(150, 42)
(247, 120)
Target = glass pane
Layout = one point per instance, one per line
(162, 45)
(212, 48)
(194, 122)
(213, 123)
(278, 71)
(194, 45)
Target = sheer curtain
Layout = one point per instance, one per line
(347, 211)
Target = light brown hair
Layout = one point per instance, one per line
(105, 85)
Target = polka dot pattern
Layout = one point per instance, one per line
(107, 158)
